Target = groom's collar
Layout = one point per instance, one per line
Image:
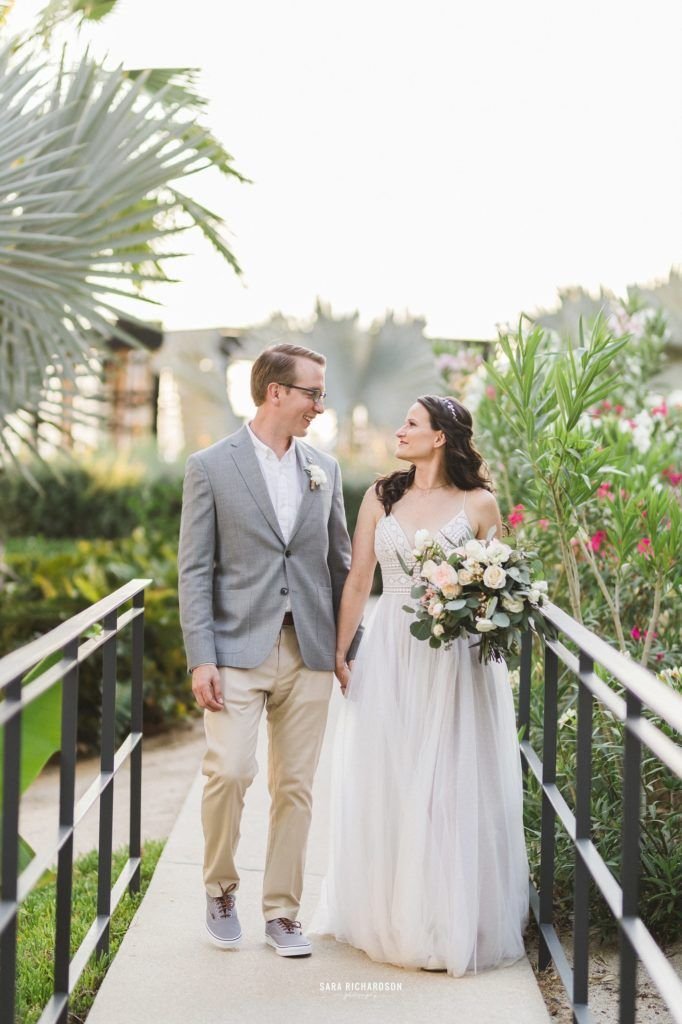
(305, 453)
(268, 452)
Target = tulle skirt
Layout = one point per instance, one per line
(427, 860)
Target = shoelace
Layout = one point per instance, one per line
(288, 925)
(225, 902)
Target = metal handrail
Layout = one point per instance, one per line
(21, 661)
(644, 685)
(642, 691)
(14, 887)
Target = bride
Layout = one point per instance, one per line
(428, 865)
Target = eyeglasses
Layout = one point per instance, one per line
(315, 393)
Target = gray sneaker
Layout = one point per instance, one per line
(222, 922)
(287, 938)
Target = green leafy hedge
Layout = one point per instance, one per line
(88, 502)
(51, 582)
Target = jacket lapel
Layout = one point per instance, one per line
(246, 461)
(304, 460)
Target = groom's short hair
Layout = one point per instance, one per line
(277, 364)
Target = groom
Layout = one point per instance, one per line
(263, 556)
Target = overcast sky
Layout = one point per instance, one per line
(460, 161)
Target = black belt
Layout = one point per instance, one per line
(288, 619)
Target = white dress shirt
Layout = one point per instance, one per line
(284, 484)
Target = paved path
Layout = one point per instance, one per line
(166, 970)
(169, 765)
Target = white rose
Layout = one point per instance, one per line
(533, 596)
(422, 539)
(317, 475)
(494, 577)
(438, 630)
(475, 550)
(485, 625)
(512, 604)
(464, 577)
(435, 609)
(498, 552)
(428, 568)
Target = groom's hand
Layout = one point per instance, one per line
(206, 687)
(342, 673)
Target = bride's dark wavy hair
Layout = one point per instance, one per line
(464, 466)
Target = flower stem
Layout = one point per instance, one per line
(601, 583)
(653, 621)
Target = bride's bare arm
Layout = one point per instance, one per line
(359, 580)
(487, 515)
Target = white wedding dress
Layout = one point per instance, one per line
(428, 863)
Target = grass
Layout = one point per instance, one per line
(36, 934)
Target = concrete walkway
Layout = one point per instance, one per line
(166, 969)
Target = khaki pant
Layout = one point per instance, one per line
(297, 702)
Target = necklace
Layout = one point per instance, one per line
(427, 490)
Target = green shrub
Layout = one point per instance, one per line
(51, 582)
(85, 502)
(88, 502)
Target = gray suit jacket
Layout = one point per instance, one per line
(236, 571)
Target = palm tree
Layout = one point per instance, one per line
(92, 161)
(380, 370)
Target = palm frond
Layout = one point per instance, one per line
(5, 7)
(179, 85)
(57, 11)
(89, 163)
(93, 10)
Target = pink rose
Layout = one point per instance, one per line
(443, 575)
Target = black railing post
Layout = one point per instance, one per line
(642, 690)
(106, 806)
(632, 790)
(67, 795)
(64, 642)
(525, 667)
(547, 829)
(583, 831)
(11, 777)
(136, 705)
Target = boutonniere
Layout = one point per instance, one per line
(318, 477)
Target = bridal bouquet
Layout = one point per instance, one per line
(484, 588)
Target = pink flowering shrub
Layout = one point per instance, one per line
(585, 457)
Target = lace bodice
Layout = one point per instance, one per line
(390, 539)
